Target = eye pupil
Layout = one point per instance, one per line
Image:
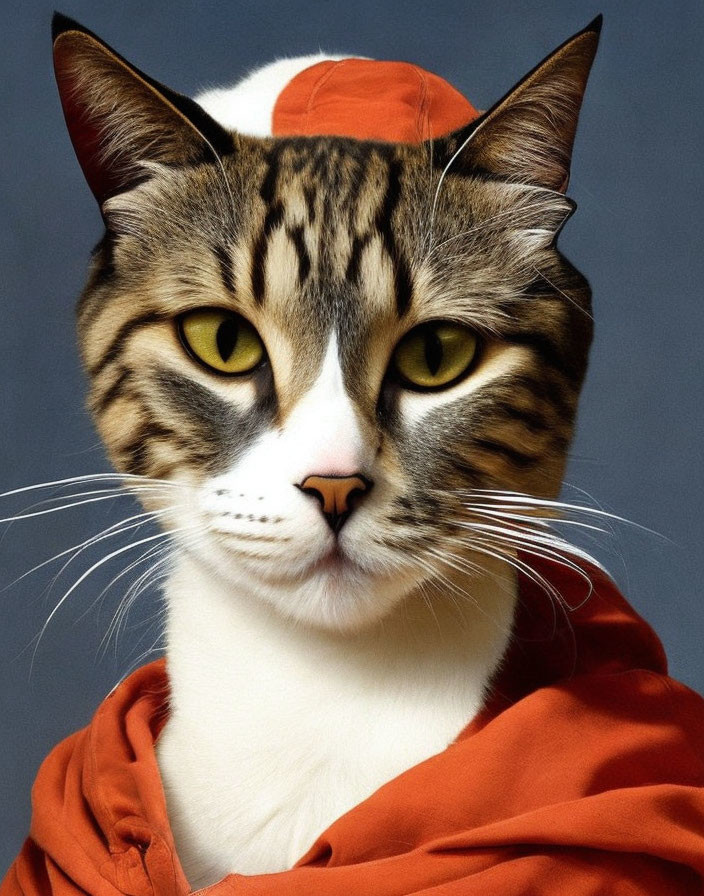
(433, 351)
(434, 355)
(226, 338)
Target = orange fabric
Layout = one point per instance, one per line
(370, 100)
(583, 776)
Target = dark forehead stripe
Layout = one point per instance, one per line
(295, 234)
(403, 286)
(224, 258)
(272, 218)
(309, 196)
(359, 243)
(333, 170)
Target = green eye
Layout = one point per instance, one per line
(222, 340)
(435, 354)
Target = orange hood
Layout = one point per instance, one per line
(583, 775)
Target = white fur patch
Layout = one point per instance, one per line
(277, 730)
(298, 687)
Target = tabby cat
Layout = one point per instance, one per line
(323, 363)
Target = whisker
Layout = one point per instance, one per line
(527, 546)
(460, 564)
(88, 572)
(157, 615)
(135, 522)
(542, 523)
(441, 180)
(492, 550)
(150, 651)
(585, 311)
(94, 539)
(90, 477)
(146, 555)
(508, 213)
(144, 581)
(49, 510)
(510, 499)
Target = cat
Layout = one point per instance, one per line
(323, 362)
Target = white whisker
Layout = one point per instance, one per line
(49, 510)
(144, 581)
(557, 551)
(511, 499)
(569, 298)
(81, 545)
(90, 477)
(88, 572)
(146, 555)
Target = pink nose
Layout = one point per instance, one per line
(335, 494)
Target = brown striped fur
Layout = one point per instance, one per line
(304, 236)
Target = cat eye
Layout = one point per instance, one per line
(435, 355)
(221, 340)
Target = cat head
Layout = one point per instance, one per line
(330, 348)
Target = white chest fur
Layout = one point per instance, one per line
(277, 730)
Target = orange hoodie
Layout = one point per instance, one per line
(583, 775)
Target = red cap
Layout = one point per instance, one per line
(370, 100)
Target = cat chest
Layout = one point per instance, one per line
(257, 803)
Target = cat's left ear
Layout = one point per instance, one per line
(119, 118)
(527, 137)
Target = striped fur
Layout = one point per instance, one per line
(333, 234)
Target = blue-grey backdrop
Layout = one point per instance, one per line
(637, 176)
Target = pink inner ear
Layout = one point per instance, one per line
(84, 130)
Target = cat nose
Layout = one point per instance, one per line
(335, 494)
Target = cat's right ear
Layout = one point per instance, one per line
(119, 118)
(527, 137)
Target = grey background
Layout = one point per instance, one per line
(638, 178)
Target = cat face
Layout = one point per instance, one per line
(329, 347)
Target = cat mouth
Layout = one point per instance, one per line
(335, 562)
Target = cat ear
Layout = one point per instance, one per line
(528, 135)
(119, 118)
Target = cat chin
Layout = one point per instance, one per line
(342, 600)
(334, 594)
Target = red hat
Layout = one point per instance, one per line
(370, 100)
